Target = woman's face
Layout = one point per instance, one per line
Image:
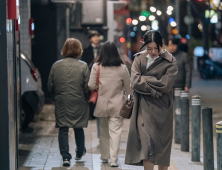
(152, 49)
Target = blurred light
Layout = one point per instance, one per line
(135, 28)
(122, 39)
(175, 31)
(145, 13)
(143, 27)
(158, 12)
(178, 36)
(128, 20)
(132, 34)
(135, 22)
(88, 28)
(212, 12)
(173, 24)
(214, 19)
(169, 8)
(200, 26)
(171, 20)
(183, 40)
(19, 20)
(152, 9)
(151, 17)
(142, 18)
(199, 51)
(33, 26)
(207, 14)
(128, 45)
(155, 25)
(101, 37)
(187, 37)
(169, 12)
(148, 27)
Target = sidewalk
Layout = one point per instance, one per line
(39, 151)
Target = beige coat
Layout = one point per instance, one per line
(113, 82)
(151, 125)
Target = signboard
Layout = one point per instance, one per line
(13, 9)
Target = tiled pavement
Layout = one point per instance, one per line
(39, 151)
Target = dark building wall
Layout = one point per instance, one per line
(44, 44)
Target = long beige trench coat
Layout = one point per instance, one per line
(151, 126)
(113, 83)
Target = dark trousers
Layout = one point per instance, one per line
(92, 108)
(64, 141)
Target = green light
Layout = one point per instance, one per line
(145, 13)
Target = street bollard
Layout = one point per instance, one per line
(184, 121)
(196, 118)
(208, 139)
(177, 111)
(219, 145)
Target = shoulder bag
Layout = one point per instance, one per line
(127, 108)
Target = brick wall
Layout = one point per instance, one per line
(25, 38)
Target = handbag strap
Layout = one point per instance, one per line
(97, 78)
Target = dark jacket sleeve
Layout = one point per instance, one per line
(84, 56)
(51, 81)
(188, 71)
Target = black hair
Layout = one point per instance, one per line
(175, 41)
(153, 36)
(93, 33)
(109, 55)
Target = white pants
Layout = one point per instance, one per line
(110, 134)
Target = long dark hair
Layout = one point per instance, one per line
(153, 36)
(109, 55)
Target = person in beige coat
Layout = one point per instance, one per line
(114, 82)
(151, 125)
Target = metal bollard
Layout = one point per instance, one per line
(184, 103)
(177, 111)
(219, 145)
(196, 119)
(208, 139)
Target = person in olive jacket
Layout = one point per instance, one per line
(68, 83)
(183, 78)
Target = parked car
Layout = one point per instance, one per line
(32, 96)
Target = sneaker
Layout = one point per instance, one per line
(114, 164)
(66, 162)
(78, 156)
(104, 160)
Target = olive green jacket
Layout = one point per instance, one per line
(68, 83)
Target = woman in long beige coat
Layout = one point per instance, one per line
(151, 127)
(114, 81)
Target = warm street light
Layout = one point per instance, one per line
(169, 8)
(135, 22)
(142, 18)
(169, 12)
(200, 26)
(152, 9)
(143, 27)
(158, 12)
(173, 24)
(151, 17)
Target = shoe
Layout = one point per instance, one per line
(104, 160)
(66, 162)
(79, 156)
(114, 164)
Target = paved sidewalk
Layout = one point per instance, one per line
(39, 151)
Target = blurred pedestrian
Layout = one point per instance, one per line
(89, 55)
(68, 83)
(114, 80)
(151, 126)
(183, 78)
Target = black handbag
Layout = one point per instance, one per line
(127, 108)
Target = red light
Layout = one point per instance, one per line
(34, 74)
(183, 40)
(128, 20)
(122, 40)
